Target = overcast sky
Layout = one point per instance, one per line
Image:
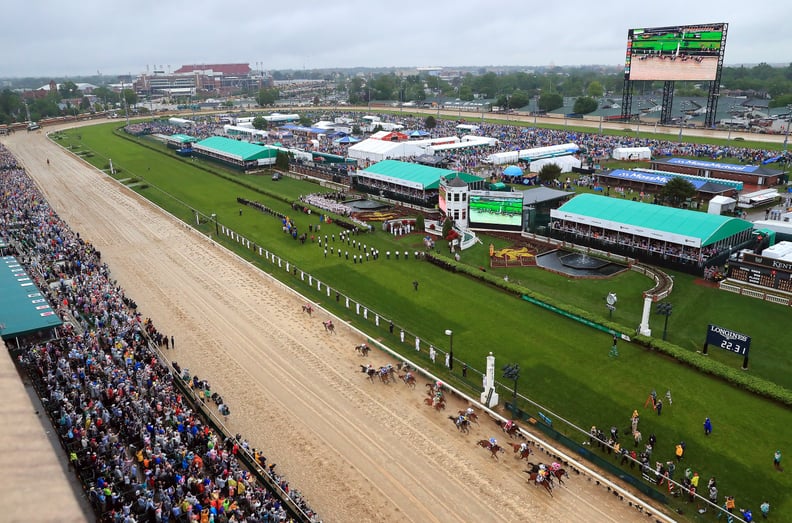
(55, 38)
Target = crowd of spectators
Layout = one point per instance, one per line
(597, 147)
(137, 438)
(663, 248)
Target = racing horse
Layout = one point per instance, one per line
(555, 471)
(471, 416)
(363, 349)
(328, 326)
(307, 309)
(494, 449)
(408, 379)
(543, 481)
(523, 454)
(510, 428)
(462, 423)
(437, 403)
(369, 371)
(382, 372)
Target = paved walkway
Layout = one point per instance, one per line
(29, 458)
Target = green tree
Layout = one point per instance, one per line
(465, 93)
(519, 98)
(550, 101)
(430, 122)
(595, 90)
(420, 224)
(267, 97)
(130, 97)
(585, 105)
(282, 161)
(305, 120)
(549, 173)
(259, 123)
(448, 224)
(107, 95)
(68, 89)
(676, 191)
(781, 101)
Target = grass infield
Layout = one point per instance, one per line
(564, 365)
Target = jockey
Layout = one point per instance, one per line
(555, 466)
(523, 447)
(469, 411)
(493, 441)
(461, 419)
(408, 376)
(368, 368)
(509, 425)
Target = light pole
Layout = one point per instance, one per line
(512, 372)
(450, 334)
(665, 309)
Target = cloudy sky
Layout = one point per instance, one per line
(55, 38)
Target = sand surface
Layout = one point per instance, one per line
(357, 451)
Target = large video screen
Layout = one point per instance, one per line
(687, 52)
(496, 210)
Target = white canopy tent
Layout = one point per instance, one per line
(475, 141)
(378, 150)
(502, 158)
(632, 153)
(566, 163)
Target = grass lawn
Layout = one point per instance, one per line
(565, 366)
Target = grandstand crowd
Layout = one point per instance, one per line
(143, 449)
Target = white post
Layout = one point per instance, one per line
(647, 309)
(489, 384)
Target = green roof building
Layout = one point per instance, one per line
(236, 153)
(409, 182)
(667, 231)
(23, 308)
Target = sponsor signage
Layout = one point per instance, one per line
(728, 339)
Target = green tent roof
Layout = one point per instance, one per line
(183, 138)
(239, 150)
(23, 308)
(414, 174)
(655, 221)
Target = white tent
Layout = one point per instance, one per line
(181, 122)
(502, 158)
(480, 140)
(632, 153)
(464, 144)
(566, 163)
(378, 150)
(719, 204)
(468, 128)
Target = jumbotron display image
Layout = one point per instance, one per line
(498, 211)
(688, 52)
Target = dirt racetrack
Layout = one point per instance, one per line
(357, 451)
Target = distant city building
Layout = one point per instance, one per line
(188, 80)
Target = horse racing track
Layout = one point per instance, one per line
(357, 449)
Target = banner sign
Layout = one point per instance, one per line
(728, 340)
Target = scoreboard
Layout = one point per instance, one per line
(762, 271)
